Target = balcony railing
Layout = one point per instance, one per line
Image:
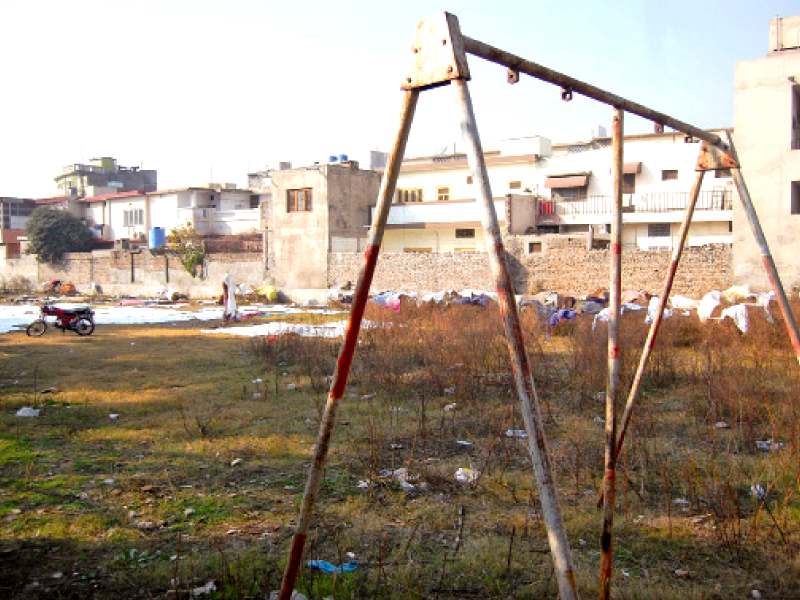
(660, 202)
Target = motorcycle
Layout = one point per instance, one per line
(79, 319)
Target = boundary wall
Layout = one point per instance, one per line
(565, 264)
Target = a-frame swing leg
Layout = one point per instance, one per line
(348, 346)
(766, 256)
(557, 535)
(612, 378)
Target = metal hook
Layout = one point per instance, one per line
(659, 128)
(566, 93)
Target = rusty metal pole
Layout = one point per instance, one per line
(570, 85)
(339, 382)
(531, 413)
(662, 303)
(609, 491)
(766, 256)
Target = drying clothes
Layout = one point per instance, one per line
(634, 297)
(737, 293)
(561, 315)
(707, 305)
(652, 311)
(738, 312)
(591, 307)
(683, 303)
(229, 298)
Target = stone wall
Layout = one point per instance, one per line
(125, 272)
(565, 265)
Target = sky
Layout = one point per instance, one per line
(207, 91)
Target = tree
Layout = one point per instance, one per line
(53, 232)
(188, 246)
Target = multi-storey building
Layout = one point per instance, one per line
(767, 137)
(544, 188)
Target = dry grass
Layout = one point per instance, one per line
(201, 474)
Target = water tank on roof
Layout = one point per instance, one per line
(332, 158)
(342, 157)
(157, 237)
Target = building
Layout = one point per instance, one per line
(213, 209)
(543, 188)
(101, 176)
(14, 214)
(767, 126)
(311, 212)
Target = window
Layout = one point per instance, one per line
(796, 197)
(567, 187)
(469, 179)
(298, 200)
(658, 230)
(722, 173)
(515, 185)
(534, 247)
(417, 249)
(133, 217)
(254, 202)
(570, 193)
(443, 193)
(796, 117)
(668, 174)
(465, 233)
(408, 195)
(629, 183)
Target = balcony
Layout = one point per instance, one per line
(440, 213)
(212, 221)
(661, 202)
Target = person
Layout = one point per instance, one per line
(228, 299)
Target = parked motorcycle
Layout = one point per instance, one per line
(79, 319)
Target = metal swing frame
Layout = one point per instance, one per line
(438, 57)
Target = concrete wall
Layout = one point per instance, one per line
(299, 247)
(763, 107)
(299, 242)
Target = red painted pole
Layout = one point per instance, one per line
(662, 303)
(339, 382)
(609, 490)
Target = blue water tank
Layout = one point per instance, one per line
(158, 237)
(332, 158)
(342, 157)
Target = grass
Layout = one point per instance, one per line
(200, 475)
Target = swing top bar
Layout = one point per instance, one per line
(439, 56)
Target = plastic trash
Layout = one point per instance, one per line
(450, 407)
(516, 433)
(27, 411)
(113, 416)
(463, 475)
(769, 445)
(759, 493)
(327, 567)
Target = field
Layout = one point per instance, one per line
(167, 463)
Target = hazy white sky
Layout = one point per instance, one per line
(200, 89)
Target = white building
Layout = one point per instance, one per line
(221, 210)
(540, 187)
